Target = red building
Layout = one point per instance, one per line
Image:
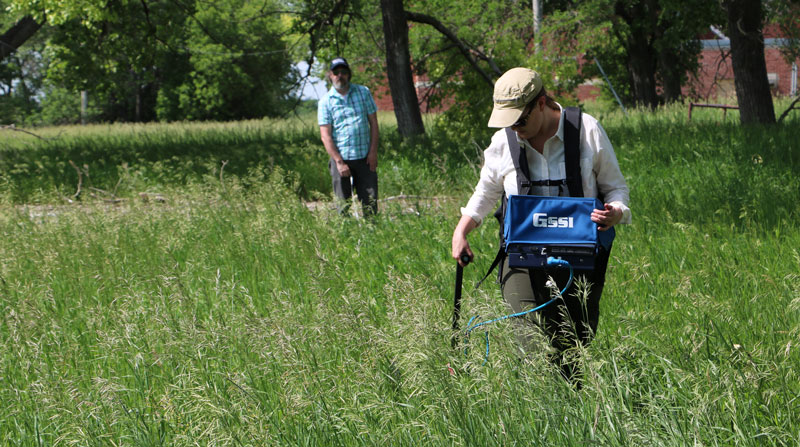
(713, 82)
(715, 77)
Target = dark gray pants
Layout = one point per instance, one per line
(365, 182)
(568, 321)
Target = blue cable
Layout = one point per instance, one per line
(550, 261)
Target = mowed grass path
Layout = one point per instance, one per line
(230, 314)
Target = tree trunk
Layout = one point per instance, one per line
(641, 59)
(17, 35)
(398, 67)
(641, 66)
(747, 59)
(670, 77)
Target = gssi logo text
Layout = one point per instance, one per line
(540, 220)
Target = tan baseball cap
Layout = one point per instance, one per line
(512, 92)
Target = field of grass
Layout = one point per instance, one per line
(228, 313)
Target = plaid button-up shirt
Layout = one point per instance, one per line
(347, 116)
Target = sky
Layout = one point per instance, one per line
(315, 88)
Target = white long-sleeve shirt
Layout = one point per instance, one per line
(599, 170)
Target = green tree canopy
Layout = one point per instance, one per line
(186, 59)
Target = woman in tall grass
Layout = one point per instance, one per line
(521, 103)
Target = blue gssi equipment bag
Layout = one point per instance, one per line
(563, 229)
(537, 227)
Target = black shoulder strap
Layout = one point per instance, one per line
(572, 161)
(499, 214)
(520, 160)
(520, 163)
(523, 187)
(572, 150)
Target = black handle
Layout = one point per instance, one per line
(457, 296)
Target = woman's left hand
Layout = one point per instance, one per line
(607, 217)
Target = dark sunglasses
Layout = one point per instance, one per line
(343, 71)
(524, 119)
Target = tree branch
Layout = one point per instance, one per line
(80, 179)
(430, 91)
(18, 35)
(15, 128)
(320, 23)
(791, 106)
(428, 20)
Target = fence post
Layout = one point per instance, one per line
(84, 105)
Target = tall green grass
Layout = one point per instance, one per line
(230, 314)
(64, 164)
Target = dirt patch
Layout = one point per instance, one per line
(406, 203)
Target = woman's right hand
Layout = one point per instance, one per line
(460, 245)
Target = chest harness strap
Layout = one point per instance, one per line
(574, 181)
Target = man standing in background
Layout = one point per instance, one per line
(348, 125)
